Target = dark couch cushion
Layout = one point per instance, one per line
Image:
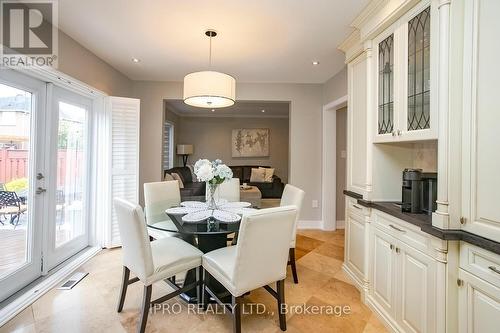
(183, 172)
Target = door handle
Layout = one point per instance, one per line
(494, 269)
(396, 228)
(40, 190)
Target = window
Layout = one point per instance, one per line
(419, 71)
(168, 146)
(386, 85)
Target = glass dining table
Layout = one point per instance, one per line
(207, 235)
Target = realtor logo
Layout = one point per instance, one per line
(29, 33)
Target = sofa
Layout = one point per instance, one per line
(272, 189)
(191, 188)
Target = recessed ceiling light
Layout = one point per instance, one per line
(315, 63)
(213, 110)
(262, 110)
(135, 60)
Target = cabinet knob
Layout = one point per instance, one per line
(391, 247)
(393, 133)
(398, 250)
(460, 282)
(399, 132)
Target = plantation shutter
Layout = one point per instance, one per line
(124, 182)
(167, 145)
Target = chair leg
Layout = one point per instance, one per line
(146, 303)
(123, 290)
(236, 305)
(199, 286)
(291, 254)
(205, 296)
(280, 285)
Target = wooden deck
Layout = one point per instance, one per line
(12, 249)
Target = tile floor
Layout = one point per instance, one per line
(90, 306)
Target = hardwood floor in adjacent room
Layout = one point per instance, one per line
(91, 305)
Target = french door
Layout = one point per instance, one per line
(44, 163)
(68, 142)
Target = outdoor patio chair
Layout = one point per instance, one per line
(10, 204)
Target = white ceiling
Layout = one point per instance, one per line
(239, 109)
(258, 41)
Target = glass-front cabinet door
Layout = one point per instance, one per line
(404, 77)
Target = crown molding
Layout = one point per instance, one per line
(367, 12)
(350, 41)
(195, 115)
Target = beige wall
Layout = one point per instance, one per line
(80, 63)
(341, 142)
(336, 87)
(305, 130)
(211, 137)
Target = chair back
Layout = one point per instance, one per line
(159, 196)
(9, 198)
(135, 240)
(229, 190)
(293, 196)
(262, 248)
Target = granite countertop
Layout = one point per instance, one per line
(424, 222)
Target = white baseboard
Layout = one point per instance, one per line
(340, 224)
(310, 224)
(50, 281)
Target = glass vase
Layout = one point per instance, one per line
(211, 196)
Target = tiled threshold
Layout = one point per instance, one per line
(22, 299)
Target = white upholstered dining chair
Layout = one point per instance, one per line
(151, 261)
(159, 196)
(293, 196)
(257, 260)
(229, 190)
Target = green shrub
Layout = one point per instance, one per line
(17, 184)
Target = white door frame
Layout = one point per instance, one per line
(29, 271)
(329, 167)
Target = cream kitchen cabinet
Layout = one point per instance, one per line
(481, 120)
(479, 305)
(356, 240)
(357, 123)
(403, 279)
(479, 290)
(403, 74)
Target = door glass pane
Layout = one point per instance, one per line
(419, 71)
(15, 127)
(386, 85)
(71, 173)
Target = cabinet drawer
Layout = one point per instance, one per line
(405, 232)
(354, 208)
(480, 262)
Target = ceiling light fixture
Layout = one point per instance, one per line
(315, 63)
(135, 60)
(209, 89)
(213, 110)
(262, 110)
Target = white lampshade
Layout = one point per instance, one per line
(208, 89)
(184, 149)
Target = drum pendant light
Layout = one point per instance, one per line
(209, 89)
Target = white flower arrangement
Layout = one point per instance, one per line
(212, 172)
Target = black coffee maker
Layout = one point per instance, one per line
(412, 191)
(419, 191)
